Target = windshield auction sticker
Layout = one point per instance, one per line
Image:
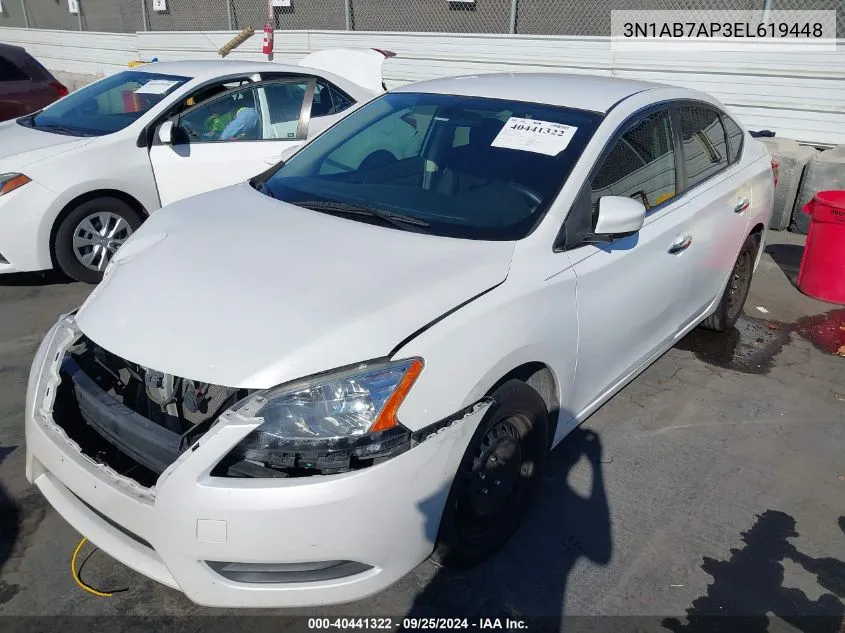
(156, 87)
(530, 135)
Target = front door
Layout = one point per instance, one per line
(231, 138)
(631, 293)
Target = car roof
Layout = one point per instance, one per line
(582, 92)
(10, 51)
(208, 68)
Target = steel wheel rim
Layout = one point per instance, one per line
(477, 520)
(738, 285)
(97, 237)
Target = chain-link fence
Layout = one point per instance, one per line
(546, 17)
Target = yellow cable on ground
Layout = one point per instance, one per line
(75, 573)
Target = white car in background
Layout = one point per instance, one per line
(78, 177)
(293, 390)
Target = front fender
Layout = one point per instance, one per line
(469, 351)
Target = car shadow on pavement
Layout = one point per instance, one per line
(43, 278)
(749, 585)
(527, 580)
(9, 529)
(788, 258)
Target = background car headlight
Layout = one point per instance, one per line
(10, 182)
(326, 424)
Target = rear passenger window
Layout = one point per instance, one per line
(703, 138)
(10, 72)
(735, 137)
(339, 100)
(641, 164)
(328, 100)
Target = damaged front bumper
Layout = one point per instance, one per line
(247, 542)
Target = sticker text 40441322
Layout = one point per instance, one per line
(530, 135)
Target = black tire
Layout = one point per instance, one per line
(63, 241)
(736, 292)
(505, 457)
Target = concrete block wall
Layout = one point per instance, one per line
(793, 159)
(826, 171)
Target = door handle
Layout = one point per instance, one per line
(682, 244)
(742, 205)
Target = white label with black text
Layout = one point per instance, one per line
(156, 87)
(530, 135)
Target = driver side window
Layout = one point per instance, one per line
(234, 116)
(641, 164)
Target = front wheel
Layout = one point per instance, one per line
(90, 235)
(496, 479)
(730, 307)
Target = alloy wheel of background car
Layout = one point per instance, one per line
(496, 479)
(733, 300)
(90, 235)
(98, 237)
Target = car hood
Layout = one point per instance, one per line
(234, 288)
(21, 146)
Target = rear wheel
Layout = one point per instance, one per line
(497, 477)
(90, 235)
(736, 292)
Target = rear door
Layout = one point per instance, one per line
(15, 88)
(719, 192)
(232, 137)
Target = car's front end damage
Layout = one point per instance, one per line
(184, 482)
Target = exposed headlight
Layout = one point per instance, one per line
(10, 182)
(326, 423)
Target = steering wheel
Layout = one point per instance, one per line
(532, 195)
(378, 158)
(189, 129)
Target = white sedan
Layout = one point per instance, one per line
(293, 390)
(77, 178)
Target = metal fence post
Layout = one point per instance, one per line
(144, 15)
(347, 6)
(513, 16)
(230, 14)
(767, 9)
(25, 14)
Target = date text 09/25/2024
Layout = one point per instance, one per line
(409, 624)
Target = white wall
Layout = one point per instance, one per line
(798, 95)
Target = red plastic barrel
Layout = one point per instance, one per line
(822, 272)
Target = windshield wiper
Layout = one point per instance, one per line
(395, 219)
(61, 129)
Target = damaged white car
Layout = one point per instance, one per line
(292, 391)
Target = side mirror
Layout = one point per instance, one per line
(165, 133)
(619, 216)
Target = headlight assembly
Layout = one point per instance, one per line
(10, 182)
(328, 424)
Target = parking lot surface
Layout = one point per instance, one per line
(714, 484)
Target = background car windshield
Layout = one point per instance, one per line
(108, 105)
(466, 166)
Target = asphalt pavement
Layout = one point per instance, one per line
(714, 484)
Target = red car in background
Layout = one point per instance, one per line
(25, 85)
